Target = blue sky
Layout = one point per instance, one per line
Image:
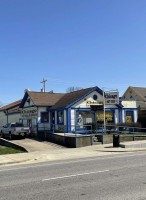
(81, 43)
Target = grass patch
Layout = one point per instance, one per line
(8, 150)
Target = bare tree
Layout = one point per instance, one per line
(73, 89)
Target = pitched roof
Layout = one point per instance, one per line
(44, 98)
(16, 103)
(142, 105)
(69, 98)
(140, 91)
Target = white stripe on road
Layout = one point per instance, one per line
(74, 175)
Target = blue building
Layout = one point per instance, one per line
(68, 111)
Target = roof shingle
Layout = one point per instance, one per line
(16, 103)
(44, 98)
(68, 98)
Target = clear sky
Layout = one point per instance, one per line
(81, 43)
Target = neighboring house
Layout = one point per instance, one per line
(10, 113)
(71, 110)
(138, 93)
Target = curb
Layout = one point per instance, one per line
(14, 162)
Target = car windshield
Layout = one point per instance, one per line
(17, 125)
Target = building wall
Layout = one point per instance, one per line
(116, 116)
(83, 103)
(73, 118)
(28, 106)
(136, 115)
(44, 125)
(129, 103)
(3, 119)
(123, 116)
(14, 117)
(11, 118)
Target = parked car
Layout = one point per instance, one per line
(14, 129)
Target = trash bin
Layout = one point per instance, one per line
(116, 140)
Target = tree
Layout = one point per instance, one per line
(73, 89)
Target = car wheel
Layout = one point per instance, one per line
(1, 134)
(10, 136)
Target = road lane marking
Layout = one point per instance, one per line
(74, 175)
(73, 161)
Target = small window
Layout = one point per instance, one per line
(129, 116)
(60, 117)
(95, 97)
(44, 117)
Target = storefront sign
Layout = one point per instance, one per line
(96, 108)
(111, 97)
(29, 114)
(94, 103)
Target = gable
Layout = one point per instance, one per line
(135, 93)
(28, 102)
(129, 94)
(89, 99)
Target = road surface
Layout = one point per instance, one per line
(117, 177)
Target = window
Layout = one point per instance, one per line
(44, 117)
(129, 116)
(95, 97)
(109, 116)
(84, 117)
(17, 125)
(60, 117)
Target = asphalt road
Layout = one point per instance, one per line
(107, 178)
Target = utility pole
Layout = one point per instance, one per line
(104, 108)
(44, 82)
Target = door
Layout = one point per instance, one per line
(29, 123)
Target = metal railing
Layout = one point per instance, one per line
(122, 130)
(86, 130)
(75, 131)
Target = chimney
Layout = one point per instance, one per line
(26, 90)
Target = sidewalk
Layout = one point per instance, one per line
(64, 154)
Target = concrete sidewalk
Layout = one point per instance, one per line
(64, 154)
(134, 144)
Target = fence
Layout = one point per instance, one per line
(85, 130)
(75, 131)
(121, 130)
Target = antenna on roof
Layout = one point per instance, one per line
(44, 82)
